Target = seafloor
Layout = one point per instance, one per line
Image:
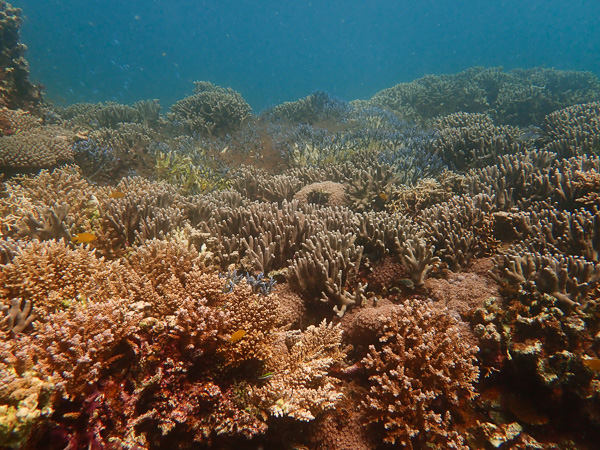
(417, 270)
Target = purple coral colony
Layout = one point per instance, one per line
(417, 270)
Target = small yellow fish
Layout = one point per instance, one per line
(237, 335)
(266, 376)
(593, 363)
(84, 238)
(116, 194)
(383, 196)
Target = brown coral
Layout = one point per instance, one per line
(300, 386)
(419, 372)
(325, 193)
(39, 148)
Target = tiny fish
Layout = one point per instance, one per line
(383, 196)
(237, 335)
(266, 376)
(593, 363)
(84, 238)
(116, 194)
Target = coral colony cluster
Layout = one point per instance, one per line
(417, 270)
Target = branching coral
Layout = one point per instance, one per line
(327, 268)
(569, 279)
(211, 110)
(300, 386)
(472, 140)
(518, 97)
(574, 131)
(52, 276)
(317, 107)
(460, 229)
(419, 372)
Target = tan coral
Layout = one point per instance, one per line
(52, 275)
(419, 372)
(326, 193)
(299, 385)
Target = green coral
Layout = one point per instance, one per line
(192, 178)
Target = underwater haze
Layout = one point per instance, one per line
(273, 51)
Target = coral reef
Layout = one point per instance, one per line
(327, 268)
(472, 140)
(317, 107)
(573, 131)
(312, 277)
(16, 91)
(38, 148)
(518, 97)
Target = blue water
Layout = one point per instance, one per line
(275, 51)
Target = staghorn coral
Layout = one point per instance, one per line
(419, 372)
(548, 230)
(569, 279)
(518, 97)
(573, 131)
(469, 140)
(368, 187)
(149, 210)
(417, 258)
(8, 249)
(211, 110)
(317, 107)
(42, 224)
(73, 346)
(263, 236)
(32, 208)
(300, 387)
(257, 316)
(460, 229)
(326, 268)
(160, 260)
(530, 94)
(512, 179)
(18, 317)
(258, 185)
